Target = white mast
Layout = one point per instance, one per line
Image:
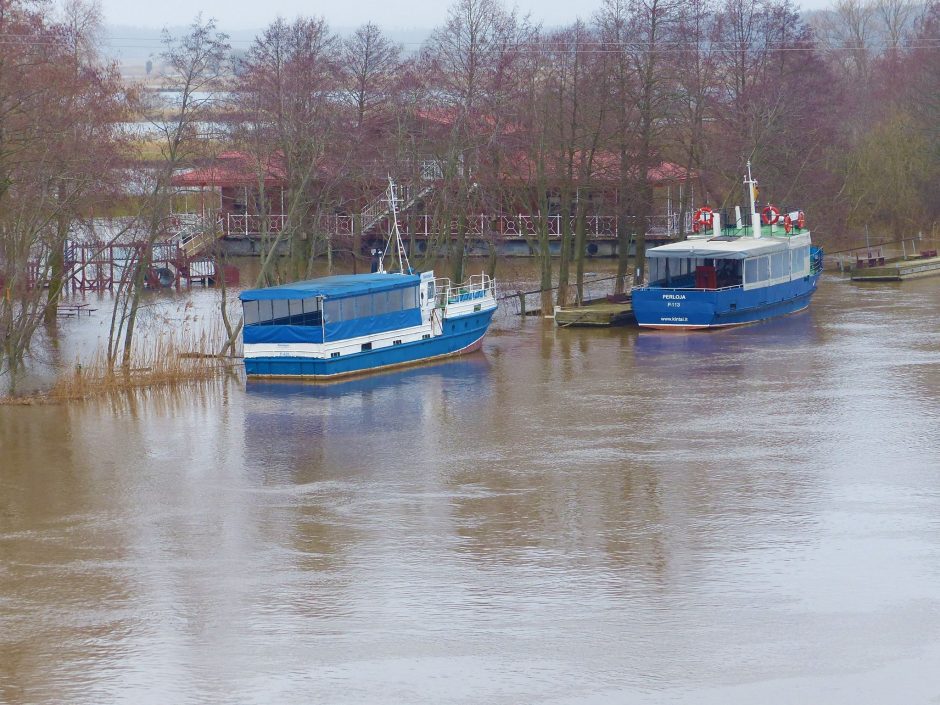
(394, 233)
(751, 185)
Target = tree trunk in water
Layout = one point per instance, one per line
(545, 267)
(623, 231)
(56, 281)
(565, 254)
(580, 245)
(143, 264)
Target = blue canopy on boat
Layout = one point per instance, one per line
(336, 287)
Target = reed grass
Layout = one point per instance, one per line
(162, 361)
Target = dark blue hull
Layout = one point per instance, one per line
(696, 308)
(460, 335)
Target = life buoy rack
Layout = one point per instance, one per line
(787, 223)
(702, 218)
(770, 215)
(800, 220)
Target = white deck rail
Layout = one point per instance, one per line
(477, 287)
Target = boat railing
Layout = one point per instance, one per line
(816, 260)
(689, 288)
(478, 286)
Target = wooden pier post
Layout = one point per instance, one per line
(521, 296)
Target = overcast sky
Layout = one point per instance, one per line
(405, 14)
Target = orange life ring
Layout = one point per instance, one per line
(787, 223)
(800, 220)
(703, 217)
(770, 215)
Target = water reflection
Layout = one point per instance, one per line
(570, 516)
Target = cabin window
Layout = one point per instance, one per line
(658, 269)
(281, 310)
(763, 268)
(750, 271)
(250, 312)
(380, 303)
(331, 311)
(366, 305)
(798, 260)
(779, 265)
(295, 312)
(406, 298)
(728, 272)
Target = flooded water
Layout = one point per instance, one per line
(570, 516)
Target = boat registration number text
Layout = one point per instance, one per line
(672, 300)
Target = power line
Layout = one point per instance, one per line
(595, 48)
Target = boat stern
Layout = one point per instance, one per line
(674, 309)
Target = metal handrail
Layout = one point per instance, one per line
(445, 290)
(689, 288)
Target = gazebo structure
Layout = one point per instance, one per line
(237, 192)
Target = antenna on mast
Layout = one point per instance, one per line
(751, 184)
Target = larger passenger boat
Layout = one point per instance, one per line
(749, 269)
(351, 324)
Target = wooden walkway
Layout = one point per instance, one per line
(602, 312)
(928, 264)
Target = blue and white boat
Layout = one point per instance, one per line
(344, 325)
(745, 271)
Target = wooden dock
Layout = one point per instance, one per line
(610, 311)
(899, 270)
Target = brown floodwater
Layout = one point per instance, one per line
(569, 516)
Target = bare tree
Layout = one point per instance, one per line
(59, 110)
(847, 34)
(696, 80)
(369, 65)
(290, 77)
(194, 64)
(775, 88)
(472, 61)
(577, 88)
(897, 20)
(640, 34)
